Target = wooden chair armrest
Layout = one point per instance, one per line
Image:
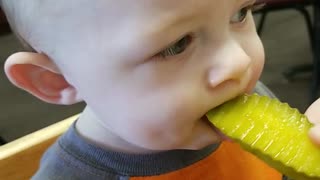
(20, 159)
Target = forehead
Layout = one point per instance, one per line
(119, 10)
(126, 6)
(115, 16)
(114, 11)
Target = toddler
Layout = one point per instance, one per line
(148, 71)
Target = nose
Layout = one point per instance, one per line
(230, 62)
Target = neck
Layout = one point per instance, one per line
(93, 130)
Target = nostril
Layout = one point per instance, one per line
(215, 77)
(231, 63)
(228, 71)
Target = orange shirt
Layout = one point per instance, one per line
(229, 162)
(71, 157)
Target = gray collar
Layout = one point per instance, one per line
(130, 164)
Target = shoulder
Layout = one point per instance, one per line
(59, 163)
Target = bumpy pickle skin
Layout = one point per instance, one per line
(271, 130)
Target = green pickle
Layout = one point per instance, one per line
(271, 130)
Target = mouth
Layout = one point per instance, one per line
(215, 129)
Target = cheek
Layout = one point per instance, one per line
(260, 56)
(158, 121)
(256, 52)
(164, 124)
(254, 48)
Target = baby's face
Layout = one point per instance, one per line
(151, 69)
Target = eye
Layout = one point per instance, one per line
(241, 15)
(177, 48)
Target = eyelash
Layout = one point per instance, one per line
(174, 50)
(245, 10)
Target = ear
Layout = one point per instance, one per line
(38, 75)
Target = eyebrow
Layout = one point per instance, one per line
(184, 16)
(251, 2)
(173, 26)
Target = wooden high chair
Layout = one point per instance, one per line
(20, 159)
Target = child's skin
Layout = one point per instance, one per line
(148, 69)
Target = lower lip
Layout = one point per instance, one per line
(221, 135)
(216, 130)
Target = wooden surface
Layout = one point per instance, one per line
(19, 159)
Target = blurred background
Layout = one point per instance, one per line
(284, 35)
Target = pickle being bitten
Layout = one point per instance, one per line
(273, 131)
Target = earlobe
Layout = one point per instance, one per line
(38, 75)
